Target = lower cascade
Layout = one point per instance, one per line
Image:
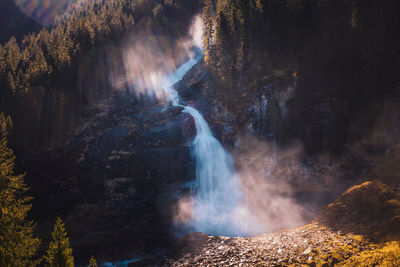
(218, 189)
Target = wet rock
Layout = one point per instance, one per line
(192, 83)
(190, 92)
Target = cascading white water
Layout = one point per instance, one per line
(218, 191)
(175, 77)
(218, 205)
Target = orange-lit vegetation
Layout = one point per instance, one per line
(48, 56)
(388, 255)
(18, 246)
(344, 255)
(372, 211)
(51, 55)
(59, 252)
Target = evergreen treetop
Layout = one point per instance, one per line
(59, 253)
(92, 262)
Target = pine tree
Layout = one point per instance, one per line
(13, 55)
(2, 60)
(34, 60)
(59, 253)
(92, 262)
(208, 33)
(17, 244)
(224, 48)
(2, 68)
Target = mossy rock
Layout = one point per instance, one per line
(371, 209)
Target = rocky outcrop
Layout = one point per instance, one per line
(196, 89)
(371, 209)
(267, 109)
(264, 112)
(116, 179)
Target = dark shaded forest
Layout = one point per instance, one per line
(343, 54)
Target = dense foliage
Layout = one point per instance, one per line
(47, 57)
(253, 37)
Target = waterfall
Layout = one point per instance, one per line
(218, 204)
(171, 79)
(218, 191)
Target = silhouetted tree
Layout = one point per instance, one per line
(18, 246)
(59, 253)
(208, 33)
(92, 262)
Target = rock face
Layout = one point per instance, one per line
(267, 109)
(196, 89)
(113, 182)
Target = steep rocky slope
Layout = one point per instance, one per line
(109, 182)
(118, 178)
